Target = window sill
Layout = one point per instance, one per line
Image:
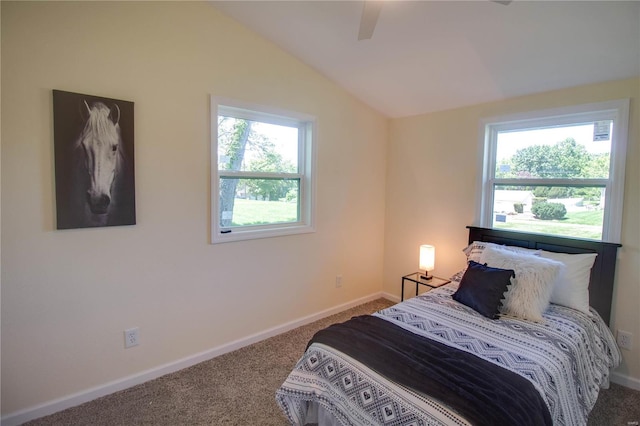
(253, 234)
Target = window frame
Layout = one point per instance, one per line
(306, 125)
(616, 110)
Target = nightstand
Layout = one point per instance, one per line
(434, 282)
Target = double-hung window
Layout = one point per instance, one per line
(557, 172)
(262, 172)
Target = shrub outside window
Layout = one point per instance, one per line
(262, 164)
(558, 172)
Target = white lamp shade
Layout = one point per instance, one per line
(427, 257)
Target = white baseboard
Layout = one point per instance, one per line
(75, 399)
(392, 297)
(624, 380)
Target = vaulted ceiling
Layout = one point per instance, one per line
(427, 56)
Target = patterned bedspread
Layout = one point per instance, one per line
(567, 358)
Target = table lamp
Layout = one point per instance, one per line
(427, 260)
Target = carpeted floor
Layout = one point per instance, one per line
(238, 388)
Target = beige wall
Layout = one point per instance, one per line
(432, 173)
(68, 295)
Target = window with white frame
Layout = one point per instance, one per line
(262, 172)
(558, 172)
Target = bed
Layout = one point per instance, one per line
(520, 336)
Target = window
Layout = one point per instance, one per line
(262, 169)
(557, 172)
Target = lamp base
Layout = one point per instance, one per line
(426, 277)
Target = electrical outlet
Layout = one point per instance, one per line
(338, 281)
(131, 337)
(625, 340)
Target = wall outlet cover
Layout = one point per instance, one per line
(131, 337)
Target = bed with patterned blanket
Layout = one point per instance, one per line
(432, 360)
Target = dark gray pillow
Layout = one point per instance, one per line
(482, 288)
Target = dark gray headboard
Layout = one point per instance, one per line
(602, 273)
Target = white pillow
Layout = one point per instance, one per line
(572, 287)
(528, 296)
(474, 250)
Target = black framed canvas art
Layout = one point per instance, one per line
(94, 161)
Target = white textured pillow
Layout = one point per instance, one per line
(474, 250)
(572, 287)
(529, 295)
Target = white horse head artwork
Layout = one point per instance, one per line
(95, 184)
(100, 142)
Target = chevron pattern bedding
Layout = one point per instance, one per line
(567, 358)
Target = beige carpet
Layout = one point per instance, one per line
(239, 389)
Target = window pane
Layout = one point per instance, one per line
(257, 147)
(249, 201)
(560, 210)
(562, 152)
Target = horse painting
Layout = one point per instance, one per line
(94, 168)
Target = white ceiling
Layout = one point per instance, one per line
(427, 56)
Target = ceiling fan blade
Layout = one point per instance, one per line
(370, 13)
